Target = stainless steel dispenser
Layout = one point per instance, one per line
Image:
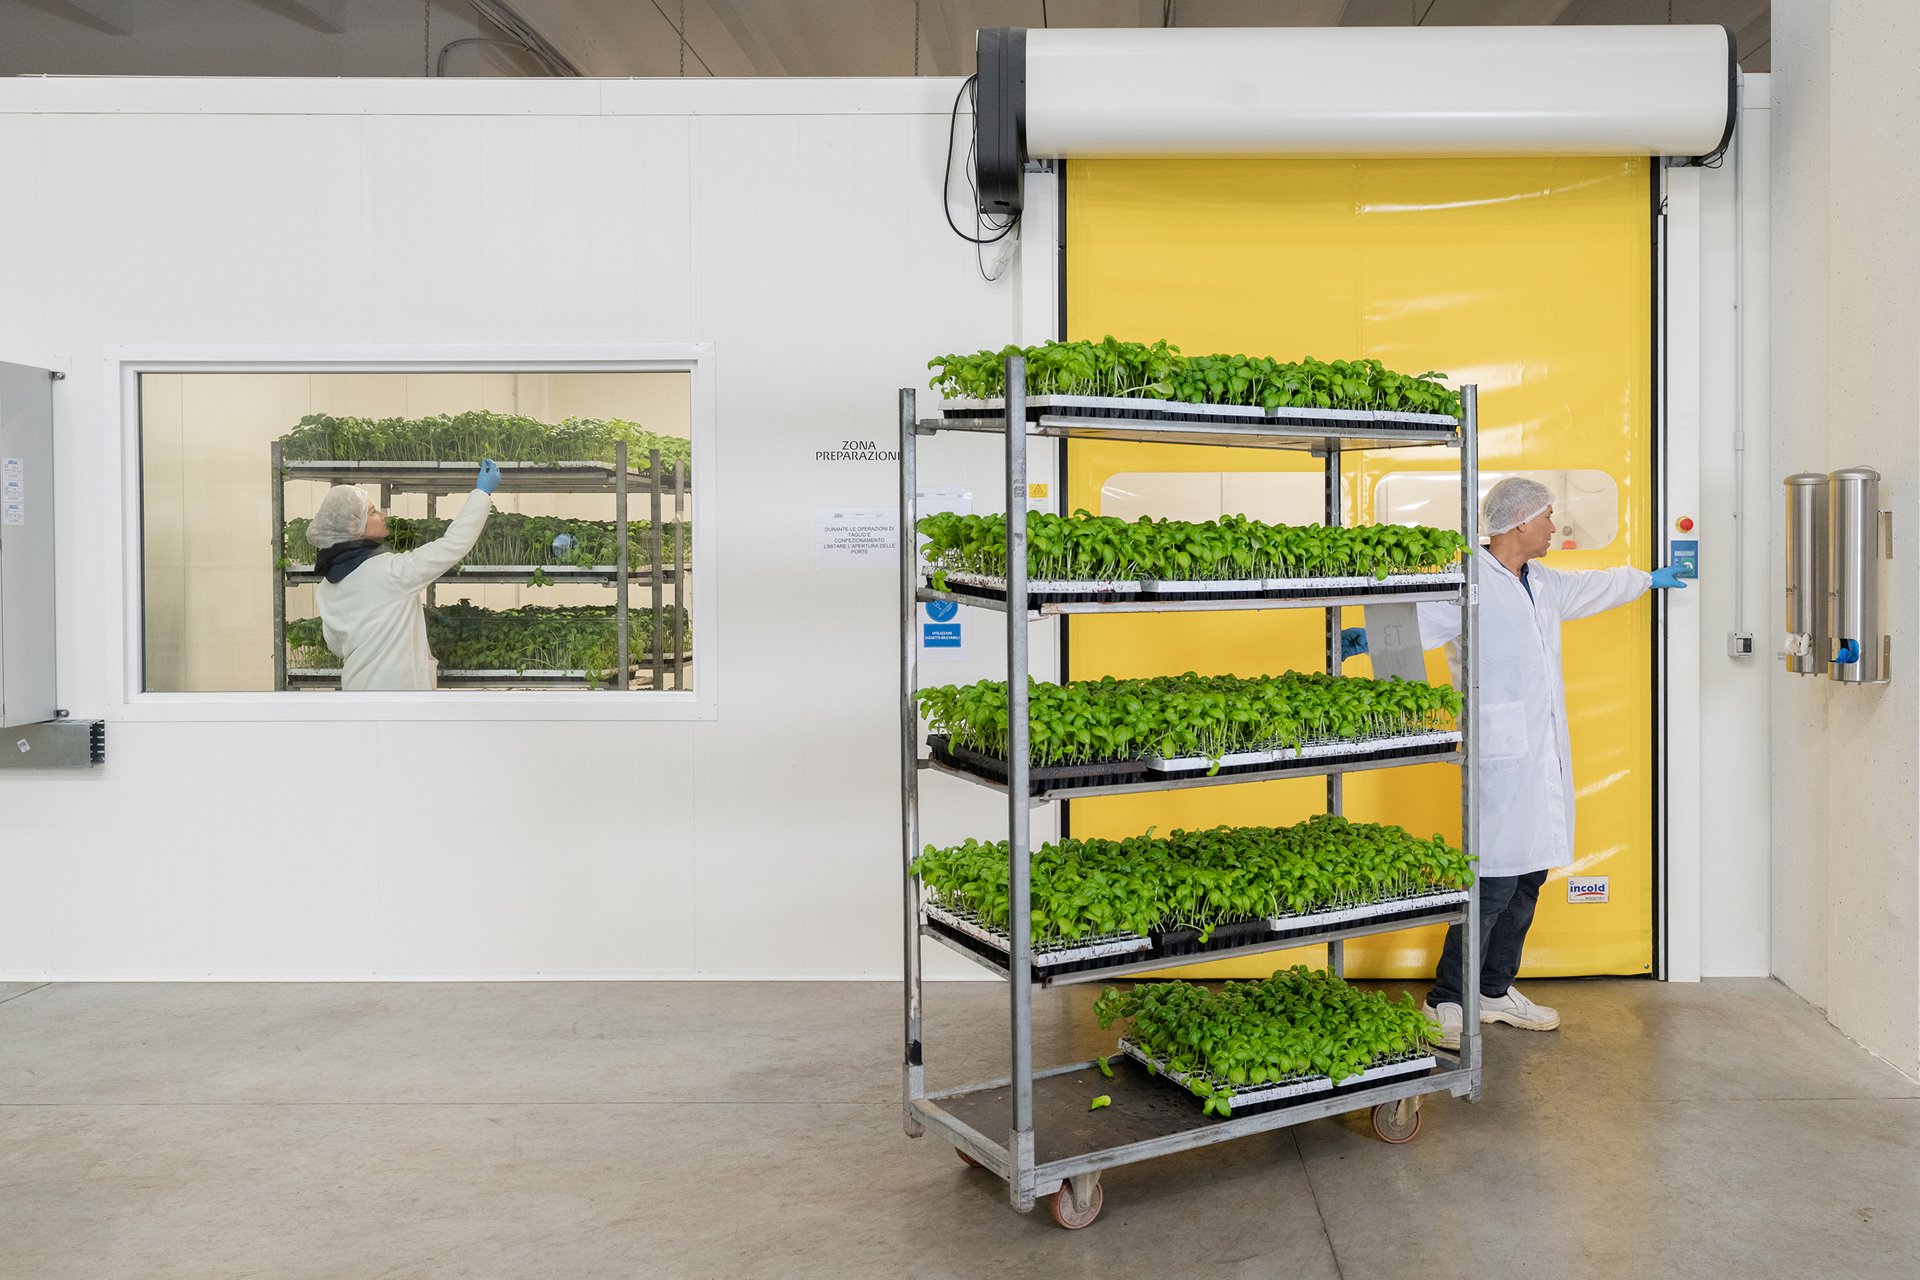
(1805, 647)
(1858, 539)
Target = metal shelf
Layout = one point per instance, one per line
(458, 477)
(1449, 594)
(658, 480)
(1157, 964)
(329, 677)
(1148, 1116)
(517, 574)
(1256, 435)
(1185, 782)
(1046, 1134)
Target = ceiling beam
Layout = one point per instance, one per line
(328, 17)
(79, 15)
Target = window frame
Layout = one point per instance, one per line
(129, 698)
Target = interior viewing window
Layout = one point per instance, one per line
(1586, 504)
(234, 467)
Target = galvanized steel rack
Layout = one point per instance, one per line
(1033, 1128)
(656, 659)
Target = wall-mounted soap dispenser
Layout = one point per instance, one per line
(1859, 541)
(1805, 648)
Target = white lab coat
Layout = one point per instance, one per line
(373, 617)
(1525, 758)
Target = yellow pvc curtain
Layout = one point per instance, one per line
(1530, 277)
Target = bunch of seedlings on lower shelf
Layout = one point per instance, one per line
(1089, 721)
(1297, 1024)
(1199, 880)
(1087, 547)
(464, 637)
(1158, 371)
(534, 541)
(474, 435)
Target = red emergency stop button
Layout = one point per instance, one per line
(1684, 524)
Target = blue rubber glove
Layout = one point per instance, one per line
(1353, 642)
(489, 477)
(1667, 578)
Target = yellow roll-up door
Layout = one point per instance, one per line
(1529, 277)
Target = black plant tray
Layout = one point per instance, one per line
(1180, 943)
(1038, 598)
(1039, 777)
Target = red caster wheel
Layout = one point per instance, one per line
(1397, 1122)
(966, 1159)
(1074, 1216)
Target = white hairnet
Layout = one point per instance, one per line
(1509, 504)
(342, 517)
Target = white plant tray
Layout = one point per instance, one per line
(1367, 910)
(1210, 586)
(966, 407)
(1083, 586)
(1300, 1086)
(1426, 578)
(1132, 405)
(1311, 751)
(1044, 957)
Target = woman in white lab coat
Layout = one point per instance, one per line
(1525, 759)
(369, 596)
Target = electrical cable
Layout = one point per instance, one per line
(946, 182)
(440, 63)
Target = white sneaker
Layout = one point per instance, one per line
(1518, 1010)
(1451, 1018)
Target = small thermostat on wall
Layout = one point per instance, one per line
(1586, 888)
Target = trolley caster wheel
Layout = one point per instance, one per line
(1397, 1122)
(966, 1159)
(1061, 1205)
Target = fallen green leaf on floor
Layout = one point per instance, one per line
(1102, 1101)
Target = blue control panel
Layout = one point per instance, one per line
(1685, 556)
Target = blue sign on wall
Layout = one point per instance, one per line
(940, 628)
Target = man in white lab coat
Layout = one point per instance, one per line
(1525, 759)
(369, 596)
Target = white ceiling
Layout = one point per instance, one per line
(723, 37)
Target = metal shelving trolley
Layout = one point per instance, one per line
(1034, 1129)
(656, 660)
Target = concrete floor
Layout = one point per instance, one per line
(620, 1130)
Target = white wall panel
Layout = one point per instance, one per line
(1846, 765)
(805, 244)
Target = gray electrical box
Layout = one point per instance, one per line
(27, 652)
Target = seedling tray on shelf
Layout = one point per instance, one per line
(1176, 944)
(966, 929)
(1254, 1099)
(1039, 777)
(1041, 590)
(1098, 408)
(1045, 591)
(1408, 908)
(1361, 749)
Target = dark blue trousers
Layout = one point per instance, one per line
(1506, 913)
